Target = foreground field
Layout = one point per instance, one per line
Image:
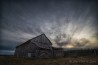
(68, 60)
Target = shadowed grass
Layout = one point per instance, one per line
(68, 60)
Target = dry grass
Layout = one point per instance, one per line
(68, 60)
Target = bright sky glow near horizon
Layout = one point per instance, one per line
(68, 24)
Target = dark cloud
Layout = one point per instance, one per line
(22, 20)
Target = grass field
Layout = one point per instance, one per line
(68, 60)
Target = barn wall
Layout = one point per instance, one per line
(45, 53)
(31, 50)
(24, 50)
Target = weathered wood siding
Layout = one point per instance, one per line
(24, 50)
(34, 50)
(44, 53)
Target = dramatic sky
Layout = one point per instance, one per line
(67, 23)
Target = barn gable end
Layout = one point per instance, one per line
(42, 41)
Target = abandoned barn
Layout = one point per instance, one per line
(38, 47)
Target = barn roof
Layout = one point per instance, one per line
(41, 41)
(24, 43)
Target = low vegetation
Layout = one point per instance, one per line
(68, 60)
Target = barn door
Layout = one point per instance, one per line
(44, 54)
(29, 54)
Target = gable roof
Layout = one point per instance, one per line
(41, 41)
(24, 43)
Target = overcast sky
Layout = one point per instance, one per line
(23, 20)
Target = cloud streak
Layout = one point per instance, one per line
(59, 20)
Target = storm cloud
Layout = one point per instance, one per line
(63, 22)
